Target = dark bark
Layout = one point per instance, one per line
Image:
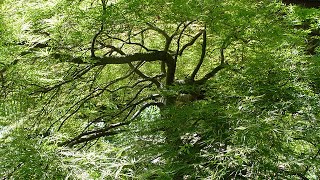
(116, 55)
(305, 3)
(215, 70)
(193, 40)
(203, 54)
(148, 57)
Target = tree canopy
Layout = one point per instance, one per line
(159, 89)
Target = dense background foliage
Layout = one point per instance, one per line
(70, 111)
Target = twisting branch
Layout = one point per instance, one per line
(160, 31)
(215, 70)
(113, 48)
(169, 38)
(112, 126)
(98, 61)
(104, 12)
(179, 39)
(92, 137)
(136, 70)
(148, 57)
(203, 54)
(176, 32)
(154, 80)
(130, 43)
(167, 44)
(166, 49)
(222, 58)
(141, 32)
(193, 40)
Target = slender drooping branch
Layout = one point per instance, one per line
(76, 106)
(128, 104)
(94, 134)
(92, 95)
(88, 138)
(78, 75)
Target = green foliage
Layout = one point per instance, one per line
(28, 157)
(256, 119)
